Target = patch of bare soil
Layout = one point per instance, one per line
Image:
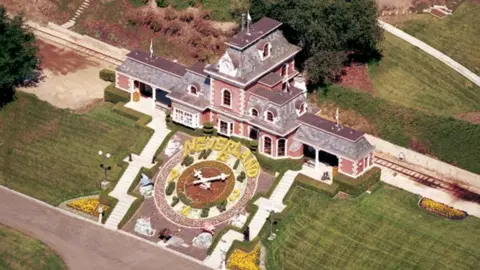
(42, 10)
(356, 76)
(348, 118)
(472, 117)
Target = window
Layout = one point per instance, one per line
(225, 128)
(253, 133)
(193, 90)
(281, 148)
(302, 108)
(267, 145)
(270, 116)
(284, 70)
(254, 112)
(184, 118)
(266, 50)
(226, 98)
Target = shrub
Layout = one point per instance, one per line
(204, 213)
(187, 161)
(170, 188)
(115, 95)
(222, 206)
(107, 75)
(235, 166)
(141, 119)
(202, 154)
(241, 177)
(253, 146)
(207, 154)
(168, 116)
(208, 129)
(175, 200)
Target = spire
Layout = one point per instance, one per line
(337, 117)
(249, 20)
(151, 48)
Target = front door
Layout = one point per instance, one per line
(161, 97)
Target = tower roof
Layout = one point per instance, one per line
(257, 30)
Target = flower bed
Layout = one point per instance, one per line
(241, 260)
(441, 209)
(197, 197)
(87, 205)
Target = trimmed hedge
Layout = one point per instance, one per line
(141, 119)
(107, 75)
(209, 129)
(315, 185)
(237, 163)
(170, 188)
(115, 95)
(175, 200)
(177, 127)
(107, 200)
(356, 186)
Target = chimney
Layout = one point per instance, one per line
(243, 21)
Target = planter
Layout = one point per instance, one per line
(441, 209)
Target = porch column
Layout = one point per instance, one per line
(316, 158)
(130, 85)
(154, 96)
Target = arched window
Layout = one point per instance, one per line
(254, 112)
(269, 116)
(267, 145)
(226, 98)
(303, 108)
(193, 90)
(266, 50)
(284, 70)
(281, 147)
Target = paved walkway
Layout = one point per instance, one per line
(143, 160)
(265, 206)
(83, 244)
(432, 51)
(78, 12)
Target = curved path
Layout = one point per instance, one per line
(432, 51)
(82, 244)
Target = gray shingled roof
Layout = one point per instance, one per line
(271, 79)
(276, 96)
(149, 74)
(158, 62)
(256, 31)
(250, 65)
(333, 144)
(180, 91)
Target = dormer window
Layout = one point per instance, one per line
(269, 116)
(266, 50)
(284, 70)
(302, 109)
(253, 112)
(192, 89)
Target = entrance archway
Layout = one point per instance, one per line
(145, 89)
(323, 157)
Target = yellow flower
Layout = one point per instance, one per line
(441, 208)
(87, 205)
(241, 260)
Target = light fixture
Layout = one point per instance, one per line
(100, 152)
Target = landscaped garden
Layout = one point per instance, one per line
(456, 36)
(385, 229)
(21, 252)
(52, 154)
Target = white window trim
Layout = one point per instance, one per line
(269, 51)
(304, 111)
(222, 99)
(266, 116)
(230, 132)
(195, 118)
(190, 92)
(286, 147)
(263, 145)
(286, 65)
(251, 112)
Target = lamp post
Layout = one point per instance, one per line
(105, 168)
(270, 219)
(100, 214)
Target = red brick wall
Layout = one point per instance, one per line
(217, 88)
(291, 67)
(236, 128)
(345, 166)
(205, 117)
(371, 159)
(360, 166)
(122, 82)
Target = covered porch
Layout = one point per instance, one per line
(319, 164)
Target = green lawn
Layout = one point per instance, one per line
(384, 230)
(52, 154)
(18, 251)
(410, 77)
(457, 35)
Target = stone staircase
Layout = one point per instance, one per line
(78, 12)
(283, 187)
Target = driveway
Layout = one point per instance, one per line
(84, 245)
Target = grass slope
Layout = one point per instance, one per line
(410, 77)
(384, 230)
(52, 154)
(18, 251)
(457, 35)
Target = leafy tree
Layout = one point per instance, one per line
(17, 55)
(330, 32)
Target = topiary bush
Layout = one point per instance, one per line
(241, 177)
(107, 75)
(253, 146)
(175, 200)
(207, 154)
(208, 129)
(222, 206)
(187, 161)
(170, 188)
(115, 95)
(205, 212)
(202, 154)
(235, 166)
(168, 116)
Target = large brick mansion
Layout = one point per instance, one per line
(255, 92)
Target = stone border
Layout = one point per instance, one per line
(164, 207)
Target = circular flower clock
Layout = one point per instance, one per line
(211, 180)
